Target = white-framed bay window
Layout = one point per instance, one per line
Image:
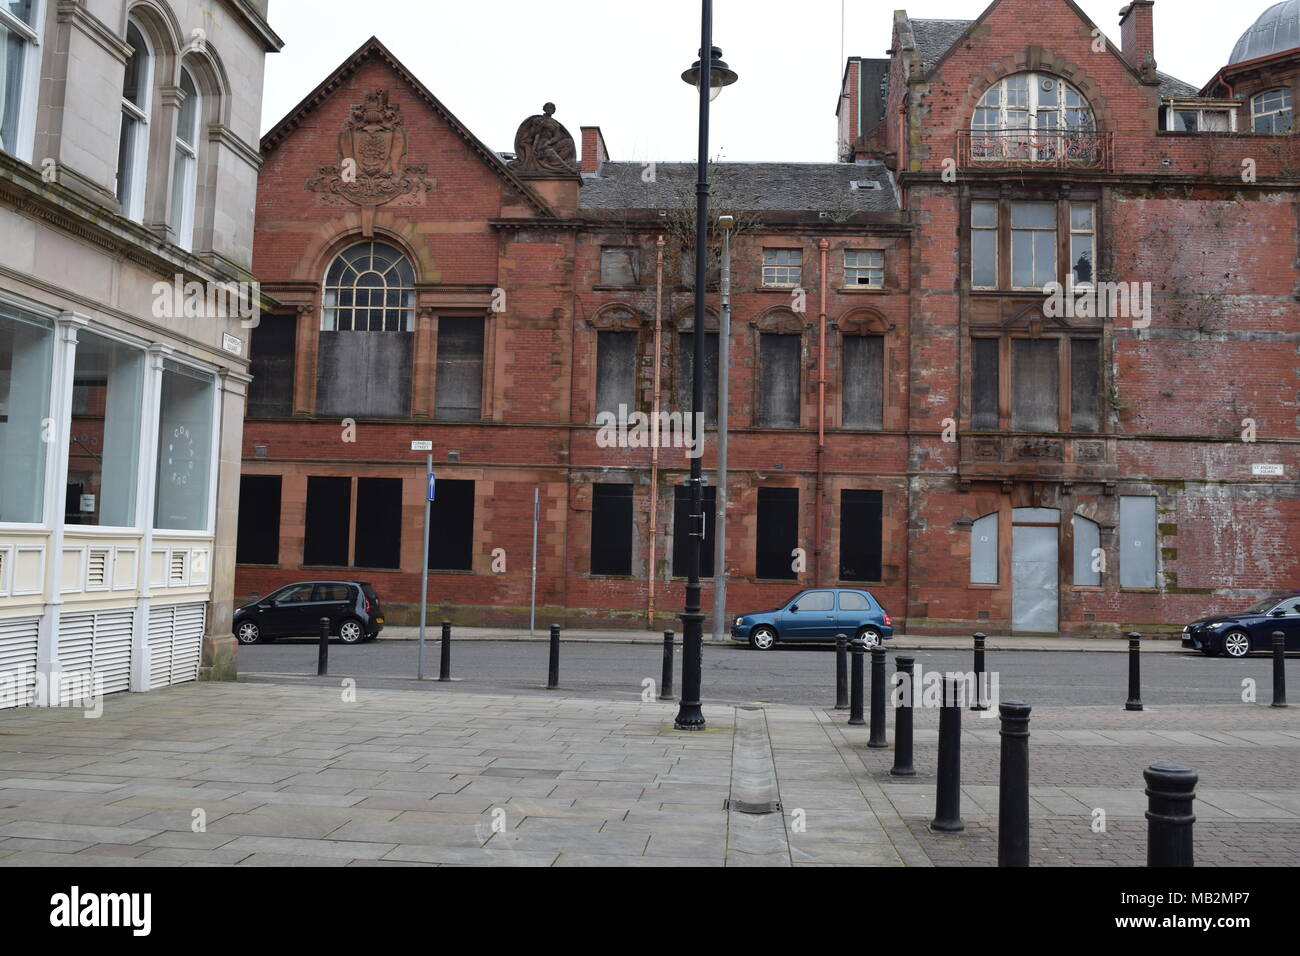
(185, 171)
(20, 70)
(133, 139)
(187, 448)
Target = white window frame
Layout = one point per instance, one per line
(868, 263)
(996, 230)
(1287, 106)
(780, 264)
(1090, 234)
(214, 449)
(133, 202)
(185, 167)
(330, 312)
(29, 93)
(1023, 111)
(1055, 230)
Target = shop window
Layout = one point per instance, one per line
(103, 457)
(26, 357)
(184, 473)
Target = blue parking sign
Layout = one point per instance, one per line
(433, 479)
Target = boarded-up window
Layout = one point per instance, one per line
(451, 526)
(271, 351)
(259, 520)
(1087, 545)
(864, 390)
(1137, 542)
(984, 550)
(685, 373)
(618, 266)
(1085, 385)
(860, 535)
(379, 523)
(329, 512)
(364, 375)
(1035, 376)
(778, 533)
(459, 382)
(778, 405)
(615, 371)
(611, 529)
(984, 385)
(682, 531)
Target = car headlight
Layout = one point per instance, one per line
(739, 621)
(1187, 630)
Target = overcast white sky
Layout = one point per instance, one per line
(617, 63)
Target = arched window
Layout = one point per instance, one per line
(1033, 117)
(133, 142)
(19, 74)
(1272, 112)
(984, 550)
(1089, 560)
(370, 287)
(186, 163)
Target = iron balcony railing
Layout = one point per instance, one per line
(1063, 149)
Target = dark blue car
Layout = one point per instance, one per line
(1236, 635)
(817, 614)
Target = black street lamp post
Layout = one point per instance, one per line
(709, 74)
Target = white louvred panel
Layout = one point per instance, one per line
(18, 662)
(112, 662)
(188, 648)
(97, 568)
(76, 653)
(161, 625)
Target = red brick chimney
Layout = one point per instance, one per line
(593, 149)
(1137, 33)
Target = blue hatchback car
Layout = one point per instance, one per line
(817, 614)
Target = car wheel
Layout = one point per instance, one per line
(763, 638)
(1236, 643)
(869, 636)
(351, 632)
(246, 632)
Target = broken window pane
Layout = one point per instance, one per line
(1085, 385)
(1035, 376)
(615, 372)
(611, 529)
(682, 529)
(779, 389)
(984, 385)
(458, 385)
(860, 535)
(864, 385)
(778, 533)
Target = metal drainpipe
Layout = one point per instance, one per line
(654, 432)
(821, 421)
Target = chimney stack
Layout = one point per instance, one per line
(1137, 33)
(593, 149)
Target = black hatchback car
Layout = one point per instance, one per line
(1236, 635)
(296, 609)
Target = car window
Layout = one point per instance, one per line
(299, 594)
(853, 601)
(1291, 607)
(331, 592)
(817, 601)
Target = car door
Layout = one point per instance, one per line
(287, 615)
(1288, 623)
(333, 601)
(810, 617)
(855, 611)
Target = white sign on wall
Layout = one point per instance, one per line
(1268, 471)
(232, 343)
(421, 446)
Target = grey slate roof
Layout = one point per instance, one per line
(772, 187)
(935, 37)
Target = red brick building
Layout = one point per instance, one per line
(913, 404)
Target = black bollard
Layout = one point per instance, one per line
(947, 808)
(855, 703)
(903, 718)
(444, 664)
(1279, 669)
(979, 704)
(877, 739)
(1171, 790)
(323, 651)
(1134, 671)
(1013, 785)
(666, 684)
(841, 672)
(553, 671)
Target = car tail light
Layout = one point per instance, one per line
(888, 622)
(367, 604)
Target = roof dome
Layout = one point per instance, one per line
(1277, 29)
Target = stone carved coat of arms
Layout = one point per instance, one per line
(372, 168)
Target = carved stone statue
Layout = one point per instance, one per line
(372, 168)
(543, 146)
